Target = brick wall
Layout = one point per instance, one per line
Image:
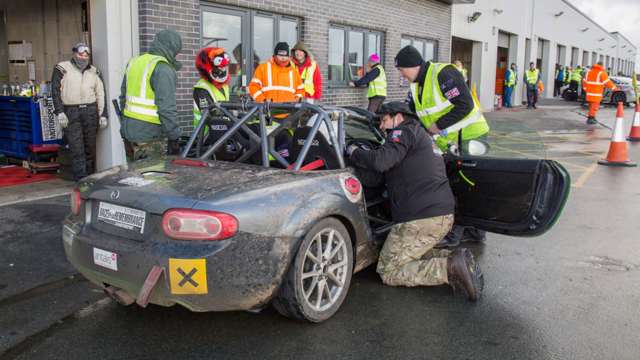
(420, 18)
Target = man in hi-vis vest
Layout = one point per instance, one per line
(213, 86)
(148, 100)
(442, 101)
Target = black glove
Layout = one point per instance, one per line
(173, 147)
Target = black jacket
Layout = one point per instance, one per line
(368, 77)
(415, 176)
(453, 87)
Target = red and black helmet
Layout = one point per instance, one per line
(212, 64)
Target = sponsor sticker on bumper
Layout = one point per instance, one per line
(106, 259)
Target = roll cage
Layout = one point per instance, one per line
(263, 118)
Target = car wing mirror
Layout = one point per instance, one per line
(477, 147)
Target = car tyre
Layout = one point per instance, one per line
(318, 279)
(618, 97)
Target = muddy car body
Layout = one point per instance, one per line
(289, 233)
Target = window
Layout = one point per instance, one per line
(427, 48)
(246, 34)
(349, 49)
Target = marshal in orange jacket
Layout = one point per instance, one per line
(595, 82)
(276, 83)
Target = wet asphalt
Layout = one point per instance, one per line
(570, 294)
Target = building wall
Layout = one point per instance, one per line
(424, 18)
(535, 20)
(52, 27)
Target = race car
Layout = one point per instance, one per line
(273, 225)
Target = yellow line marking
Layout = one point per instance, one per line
(585, 176)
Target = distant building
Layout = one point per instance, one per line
(490, 35)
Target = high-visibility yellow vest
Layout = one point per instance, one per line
(433, 105)
(378, 87)
(532, 76)
(510, 78)
(576, 75)
(307, 78)
(218, 95)
(140, 102)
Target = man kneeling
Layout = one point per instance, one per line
(422, 207)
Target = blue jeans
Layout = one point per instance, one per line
(508, 92)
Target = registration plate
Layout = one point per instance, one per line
(123, 217)
(106, 259)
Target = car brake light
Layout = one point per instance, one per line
(352, 185)
(187, 224)
(76, 202)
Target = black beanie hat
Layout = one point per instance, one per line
(408, 57)
(282, 48)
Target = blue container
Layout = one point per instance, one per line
(20, 126)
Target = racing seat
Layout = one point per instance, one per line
(320, 148)
(234, 147)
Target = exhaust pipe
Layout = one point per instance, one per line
(119, 295)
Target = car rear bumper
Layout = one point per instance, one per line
(242, 273)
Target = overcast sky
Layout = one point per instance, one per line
(615, 15)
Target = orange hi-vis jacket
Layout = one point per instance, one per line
(595, 82)
(276, 83)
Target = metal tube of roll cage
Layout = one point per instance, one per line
(192, 139)
(334, 140)
(229, 133)
(307, 143)
(341, 132)
(247, 130)
(264, 144)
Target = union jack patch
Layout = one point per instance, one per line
(395, 135)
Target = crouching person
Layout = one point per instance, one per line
(422, 206)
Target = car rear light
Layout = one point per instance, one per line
(187, 224)
(76, 202)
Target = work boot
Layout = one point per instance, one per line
(464, 274)
(472, 234)
(591, 120)
(452, 239)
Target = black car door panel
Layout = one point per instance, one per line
(520, 197)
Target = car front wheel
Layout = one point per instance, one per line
(619, 97)
(319, 277)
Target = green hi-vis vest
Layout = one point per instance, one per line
(576, 75)
(532, 76)
(510, 78)
(434, 105)
(307, 78)
(140, 103)
(378, 87)
(218, 95)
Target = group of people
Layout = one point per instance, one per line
(438, 110)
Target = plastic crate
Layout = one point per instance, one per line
(20, 126)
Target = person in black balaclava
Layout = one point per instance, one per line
(79, 103)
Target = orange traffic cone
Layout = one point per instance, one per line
(618, 155)
(634, 135)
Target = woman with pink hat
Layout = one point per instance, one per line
(376, 80)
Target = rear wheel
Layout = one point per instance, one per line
(319, 277)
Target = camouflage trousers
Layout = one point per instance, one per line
(408, 258)
(143, 151)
